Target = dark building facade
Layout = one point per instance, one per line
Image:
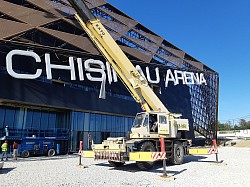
(51, 75)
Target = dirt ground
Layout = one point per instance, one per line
(243, 143)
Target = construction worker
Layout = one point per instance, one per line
(4, 150)
(15, 147)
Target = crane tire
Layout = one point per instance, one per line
(178, 156)
(25, 154)
(146, 147)
(51, 152)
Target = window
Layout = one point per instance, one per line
(9, 118)
(163, 119)
(36, 120)
(44, 120)
(145, 123)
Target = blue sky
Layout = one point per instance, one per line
(216, 32)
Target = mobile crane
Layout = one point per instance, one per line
(148, 126)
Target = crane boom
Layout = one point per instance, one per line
(132, 79)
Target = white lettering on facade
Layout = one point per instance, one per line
(50, 66)
(157, 75)
(95, 67)
(111, 71)
(88, 64)
(169, 77)
(79, 63)
(20, 75)
(188, 78)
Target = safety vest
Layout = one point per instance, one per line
(4, 147)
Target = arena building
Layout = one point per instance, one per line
(52, 83)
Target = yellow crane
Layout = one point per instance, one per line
(148, 126)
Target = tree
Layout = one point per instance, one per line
(223, 126)
(243, 124)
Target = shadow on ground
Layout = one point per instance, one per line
(6, 170)
(158, 167)
(132, 167)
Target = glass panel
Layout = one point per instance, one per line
(126, 124)
(44, 120)
(36, 120)
(28, 120)
(120, 122)
(98, 122)
(2, 114)
(92, 122)
(113, 126)
(9, 118)
(73, 138)
(139, 120)
(62, 120)
(52, 121)
(18, 123)
(145, 123)
(86, 121)
(98, 138)
(109, 123)
(85, 141)
(73, 121)
(80, 121)
(163, 119)
(104, 123)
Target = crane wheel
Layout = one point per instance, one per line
(146, 147)
(51, 152)
(25, 154)
(178, 156)
(116, 164)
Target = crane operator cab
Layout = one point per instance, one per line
(148, 124)
(154, 124)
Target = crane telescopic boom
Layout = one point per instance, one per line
(132, 79)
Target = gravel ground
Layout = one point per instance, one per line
(64, 171)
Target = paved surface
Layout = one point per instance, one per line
(64, 171)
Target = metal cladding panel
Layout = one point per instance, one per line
(174, 60)
(11, 28)
(176, 52)
(114, 35)
(117, 27)
(38, 18)
(26, 15)
(77, 41)
(126, 21)
(156, 39)
(52, 7)
(137, 53)
(95, 3)
(145, 44)
(195, 64)
(73, 22)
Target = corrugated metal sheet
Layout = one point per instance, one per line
(83, 43)
(11, 28)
